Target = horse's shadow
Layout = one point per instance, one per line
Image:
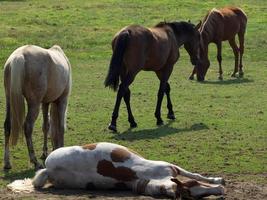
(229, 81)
(161, 131)
(10, 176)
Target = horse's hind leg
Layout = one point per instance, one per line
(7, 127)
(169, 103)
(219, 59)
(241, 51)
(235, 50)
(126, 98)
(45, 127)
(121, 92)
(33, 111)
(62, 107)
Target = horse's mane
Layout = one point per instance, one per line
(210, 21)
(178, 26)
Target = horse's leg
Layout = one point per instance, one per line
(219, 59)
(33, 111)
(7, 127)
(241, 51)
(191, 77)
(121, 92)
(45, 107)
(169, 103)
(62, 107)
(235, 50)
(126, 98)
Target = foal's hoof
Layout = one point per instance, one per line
(112, 128)
(219, 181)
(241, 74)
(7, 166)
(159, 123)
(191, 78)
(38, 166)
(220, 78)
(171, 116)
(133, 124)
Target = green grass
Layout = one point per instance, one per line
(220, 126)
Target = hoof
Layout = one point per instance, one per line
(171, 116)
(133, 124)
(7, 166)
(112, 128)
(233, 75)
(160, 123)
(220, 78)
(241, 74)
(38, 166)
(191, 78)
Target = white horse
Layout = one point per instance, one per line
(107, 166)
(39, 76)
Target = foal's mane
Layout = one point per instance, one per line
(209, 21)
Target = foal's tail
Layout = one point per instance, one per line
(17, 105)
(115, 67)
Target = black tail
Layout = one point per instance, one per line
(115, 67)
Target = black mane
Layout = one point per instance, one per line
(178, 27)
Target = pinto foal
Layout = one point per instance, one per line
(107, 166)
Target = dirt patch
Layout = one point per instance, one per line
(235, 190)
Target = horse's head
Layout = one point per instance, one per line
(203, 63)
(193, 189)
(192, 41)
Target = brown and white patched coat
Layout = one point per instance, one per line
(106, 166)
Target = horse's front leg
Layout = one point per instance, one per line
(33, 111)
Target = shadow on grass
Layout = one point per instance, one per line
(10, 175)
(157, 132)
(230, 81)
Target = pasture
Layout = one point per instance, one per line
(220, 126)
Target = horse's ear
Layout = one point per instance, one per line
(189, 21)
(198, 25)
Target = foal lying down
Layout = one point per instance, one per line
(111, 166)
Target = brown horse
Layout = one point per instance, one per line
(39, 76)
(220, 25)
(137, 48)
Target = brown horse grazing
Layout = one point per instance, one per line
(137, 48)
(220, 25)
(40, 76)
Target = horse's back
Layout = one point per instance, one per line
(46, 72)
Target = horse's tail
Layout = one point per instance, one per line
(112, 79)
(17, 104)
(40, 178)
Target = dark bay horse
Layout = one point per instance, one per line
(221, 25)
(41, 77)
(137, 48)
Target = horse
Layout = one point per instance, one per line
(221, 25)
(111, 166)
(137, 48)
(41, 77)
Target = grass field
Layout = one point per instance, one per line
(220, 126)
